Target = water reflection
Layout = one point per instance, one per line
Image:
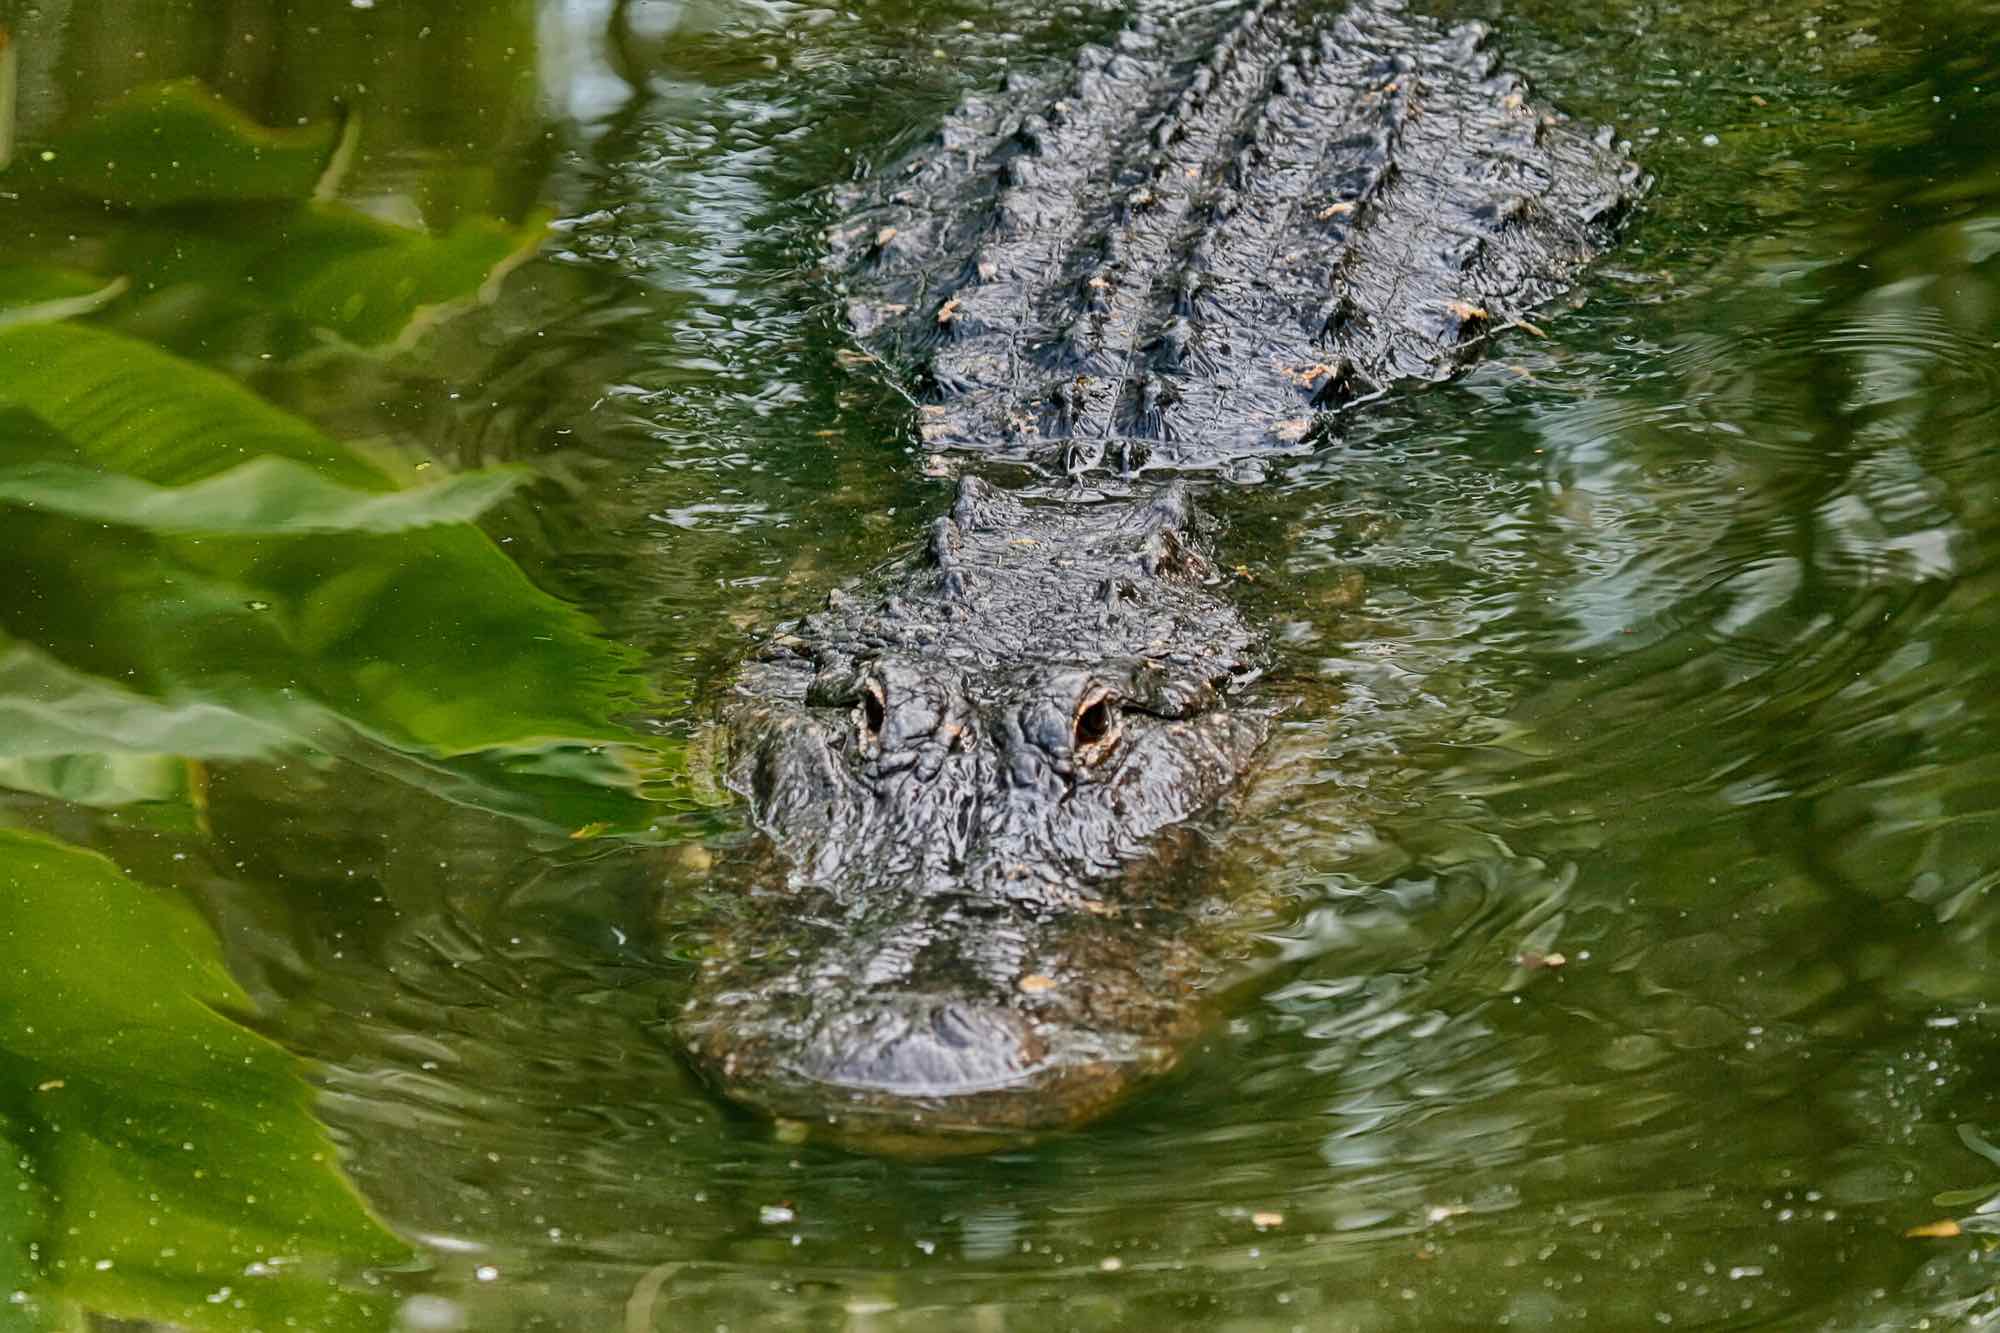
(1617, 942)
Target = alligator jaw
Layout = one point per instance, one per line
(953, 1079)
(947, 1027)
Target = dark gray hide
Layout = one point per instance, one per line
(961, 771)
(977, 773)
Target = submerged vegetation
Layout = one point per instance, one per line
(161, 1160)
(196, 576)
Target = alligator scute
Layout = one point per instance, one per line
(987, 778)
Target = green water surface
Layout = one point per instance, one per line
(410, 411)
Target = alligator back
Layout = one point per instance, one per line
(1205, 237)
(990, 772)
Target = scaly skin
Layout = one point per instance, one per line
(1202, 240)
(967, 773)
(977, 773)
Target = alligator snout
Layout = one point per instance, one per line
(919, 1071)
(920, 1046)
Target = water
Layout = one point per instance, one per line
(1623, 945)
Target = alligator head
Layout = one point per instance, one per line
(976, 778)
(1218, 233)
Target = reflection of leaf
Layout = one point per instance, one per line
(330, 267)
(432, 637)
(177, 143)
(1971, 1139)
(78, 738)
(368, 281)
(248, 224)
(177, 1173)
(34, 293)
(264, 497)
(1960, 1198)
(98, 778)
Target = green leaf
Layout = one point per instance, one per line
(23, 1217)
(128, 407)
(175, 144)
(258, 570)
(9, 88)
(264, 497)
(176, 1172)
(36, 293)
(430, 637)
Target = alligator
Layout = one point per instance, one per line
(987, 777)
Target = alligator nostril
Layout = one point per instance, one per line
(951, 1027)
(924, 1046)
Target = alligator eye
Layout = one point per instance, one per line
(1096, 726)
(1093, 724)
(873, 711)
